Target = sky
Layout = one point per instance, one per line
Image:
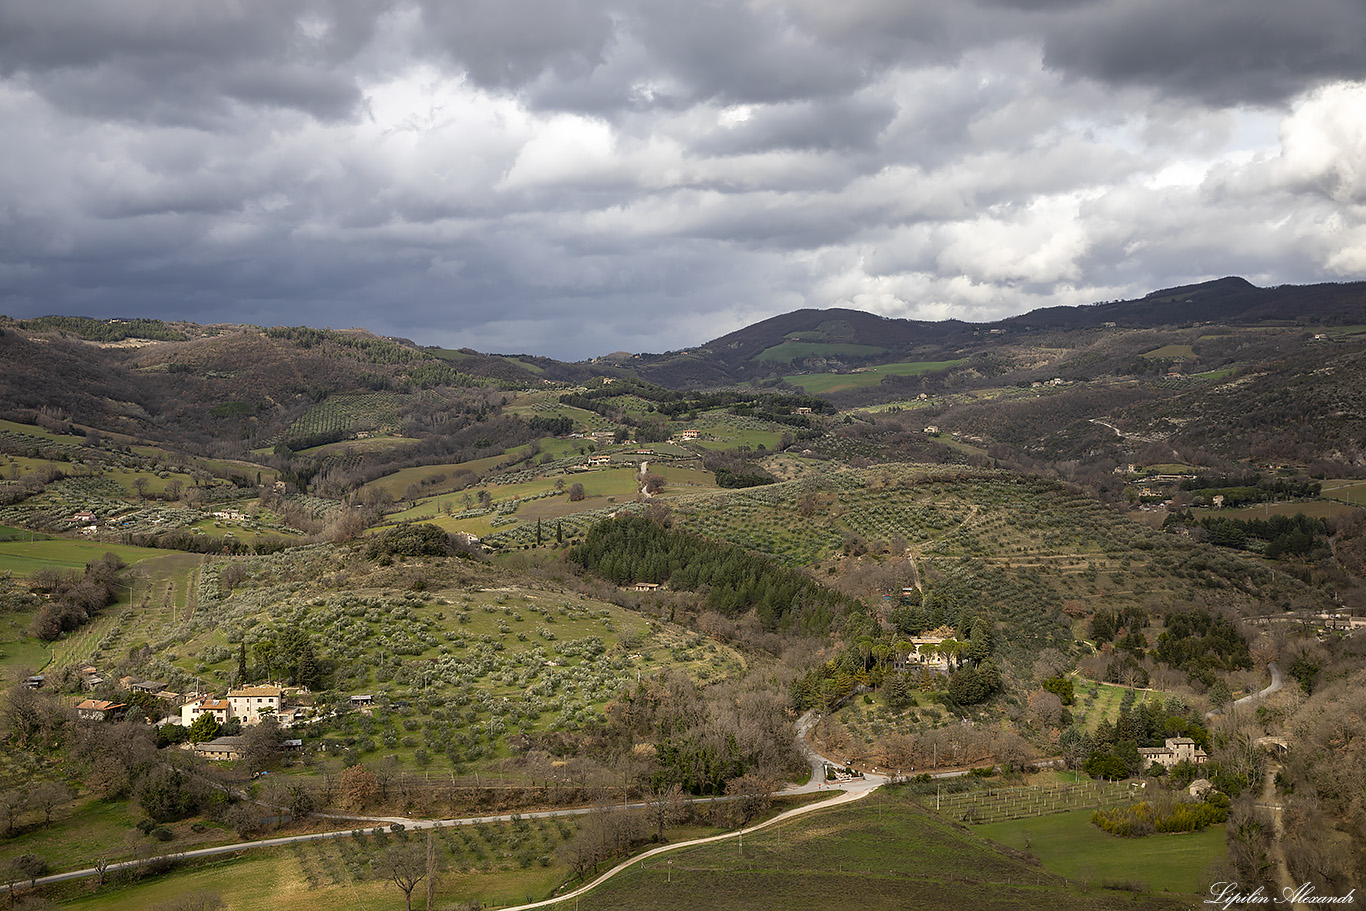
(577, 177)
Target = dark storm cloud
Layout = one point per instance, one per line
(577, 176)
(1219, 51)
(505, 44)
(177, 62)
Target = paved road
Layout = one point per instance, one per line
(1277, 681)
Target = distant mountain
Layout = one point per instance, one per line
(819, 339)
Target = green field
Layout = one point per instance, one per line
(1318, 509)
(25, 557)
(792, 351)
(497, 864)
(822, 383)
(1069, 845)
(1351, 490)
(882, 852)
(35, 431)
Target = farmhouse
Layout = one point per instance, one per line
(99, 709)
(251, 702)
(599, 460)
(1178, 749)
(687, 434)
(205, 705)
(645, 587)
(221, 748)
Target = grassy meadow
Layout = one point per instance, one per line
(824, 383)
(1070, 846)
(881, 852)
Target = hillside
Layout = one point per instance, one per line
(1061, 539)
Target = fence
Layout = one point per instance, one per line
(998, 804)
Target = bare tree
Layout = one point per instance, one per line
(752, 794)
(12, 805)
(665, 804)
(405, 865)
(46, 797)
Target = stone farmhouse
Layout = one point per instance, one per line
(1178, 749)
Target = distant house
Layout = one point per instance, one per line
(222, 748)
(36, 681)
(362, 699)
(645, 587)
(1177, 749)
(251, 702)
(99, 710)
(84, 518)
(931, 428)
(150, 687)
(205, 705)
(803, 410)
(925, 653)
(599, 460)
(687, 434)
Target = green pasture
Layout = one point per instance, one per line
(1317, 509)
(33, 430)
(89, 827)
(881, 852)
(795, 350)
(733, 437)
(822, 383)
(1069, 845)
(598, 485)
(15, 467)
(676, 476)
(1352, 490)
(25, 557)
(155, 485)
(1220, 374)
(11, 533)
(397, 483)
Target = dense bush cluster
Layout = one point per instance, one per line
(1144, 818)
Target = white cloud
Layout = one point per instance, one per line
(504, 175)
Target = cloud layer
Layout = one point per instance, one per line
(573, 177)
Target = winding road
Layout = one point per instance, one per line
(847, 790)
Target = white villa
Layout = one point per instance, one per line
(205, 705)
